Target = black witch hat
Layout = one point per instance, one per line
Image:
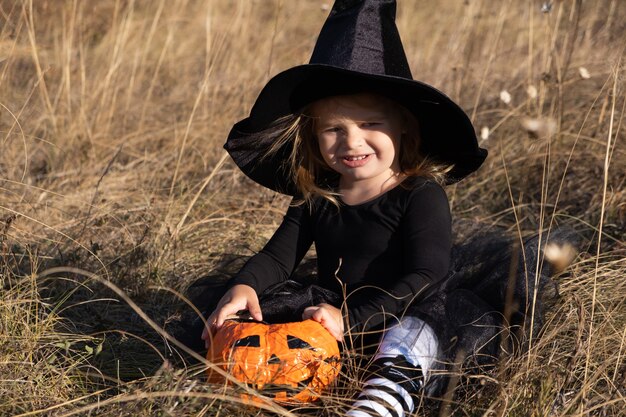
(358, 50)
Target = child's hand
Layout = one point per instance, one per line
(328, 316)
(239, 297)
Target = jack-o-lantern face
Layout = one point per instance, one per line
(290, 362)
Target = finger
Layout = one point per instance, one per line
(221, 316)
(332, 328)
(338, 336)
(255, 310)
(308, 312)
(326, 319)
(319, 315)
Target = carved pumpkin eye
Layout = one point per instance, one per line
(248, 341)
(297, 343)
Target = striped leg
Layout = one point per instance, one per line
(387, 392)
(405, 355)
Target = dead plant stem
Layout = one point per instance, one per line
(605, 181)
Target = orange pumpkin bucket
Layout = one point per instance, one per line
(289, 362)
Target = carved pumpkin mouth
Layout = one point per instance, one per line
(287, 389)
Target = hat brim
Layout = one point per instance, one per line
(447, 134)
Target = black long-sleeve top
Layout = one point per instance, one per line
(387, 252)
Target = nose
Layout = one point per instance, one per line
(353, 137)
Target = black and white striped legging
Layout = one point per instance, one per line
(404, 357)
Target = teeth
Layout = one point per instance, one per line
(355, 158)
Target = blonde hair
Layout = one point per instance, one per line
(308, 170)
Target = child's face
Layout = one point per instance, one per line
(359, 137)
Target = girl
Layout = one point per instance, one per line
(363, 227)
(365, 150)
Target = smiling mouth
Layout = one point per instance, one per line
(355, 161)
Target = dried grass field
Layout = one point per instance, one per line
(116, 195)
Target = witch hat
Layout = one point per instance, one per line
(358, 50)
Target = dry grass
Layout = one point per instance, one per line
(112, 117)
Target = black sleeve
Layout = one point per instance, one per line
(427, 240)
(282, 253)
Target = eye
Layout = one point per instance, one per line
(248, 341)
(297, 343)
(370, 124)
(333, 129)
